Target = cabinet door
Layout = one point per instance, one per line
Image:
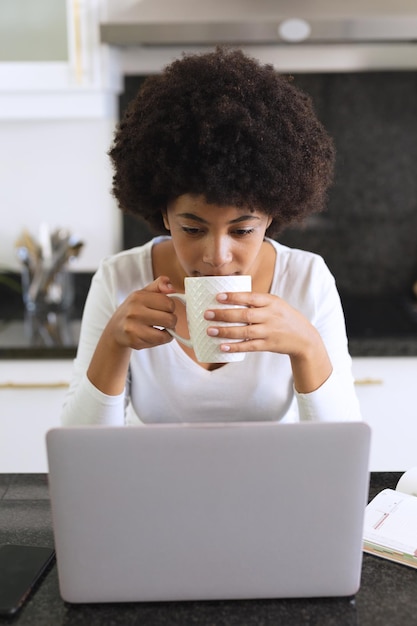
(33, 31)
(384, 386)
(31, 398)
(52, 63)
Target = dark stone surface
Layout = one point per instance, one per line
(38, 337)
(376, 326)
(387, 595)
(11, 302)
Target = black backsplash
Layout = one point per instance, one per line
(368, 234)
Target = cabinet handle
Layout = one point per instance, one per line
(76, 40)
(369, 381)
(57, 385)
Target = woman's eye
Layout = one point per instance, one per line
(241, 232)
(190, 230)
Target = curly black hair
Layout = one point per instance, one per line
(224, 126)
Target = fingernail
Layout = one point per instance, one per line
(209, 315)
(225, 348)
(222, 297)
(213, 332)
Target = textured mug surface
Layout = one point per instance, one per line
(200, 295)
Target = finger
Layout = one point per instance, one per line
(242, 333)
(241, 315)
(158, 335)
(255, 345)
(244, 298)
(151, 337)
(163, 320)
(141, 301)
(162, 284)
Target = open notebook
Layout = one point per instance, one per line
(391, 522)
(219, 511)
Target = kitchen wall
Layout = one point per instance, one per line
(58, 172)
(368, 235)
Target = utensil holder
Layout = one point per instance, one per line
(55, 295)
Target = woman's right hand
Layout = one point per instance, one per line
(140, 321)
(132, 326)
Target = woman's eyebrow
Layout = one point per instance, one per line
(244, 218)
(197, 218)
(191, 216)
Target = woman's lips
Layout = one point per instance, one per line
(201, 274)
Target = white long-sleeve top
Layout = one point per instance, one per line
(166, 385)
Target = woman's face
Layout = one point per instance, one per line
(215, 240)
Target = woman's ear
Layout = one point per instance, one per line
(165, 219)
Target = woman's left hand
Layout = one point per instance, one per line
(272, 325)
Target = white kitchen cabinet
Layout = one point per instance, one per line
(31, 397)
(385, 388)
(32, 393)
(56, 68)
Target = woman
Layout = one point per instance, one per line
(217, 153)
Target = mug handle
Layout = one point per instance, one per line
(186, 342)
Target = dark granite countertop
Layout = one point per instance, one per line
(387, 595)
(381, 325)
(29, 339)
(43, 336)
(386, 346)
(376, 325)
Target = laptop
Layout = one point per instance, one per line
(208, 511)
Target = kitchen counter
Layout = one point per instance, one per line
(387, 595)
(382, 346)
(376, 326)
(45, 336)
(21, 339)
(16, 343)
(381, 325)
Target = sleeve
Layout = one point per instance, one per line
(85, 404)
(335, 399)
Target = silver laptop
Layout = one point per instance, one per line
(196, 512)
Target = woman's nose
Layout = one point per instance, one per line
(217, 252)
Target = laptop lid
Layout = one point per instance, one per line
(219, 511)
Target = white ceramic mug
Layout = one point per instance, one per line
(200, 295)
